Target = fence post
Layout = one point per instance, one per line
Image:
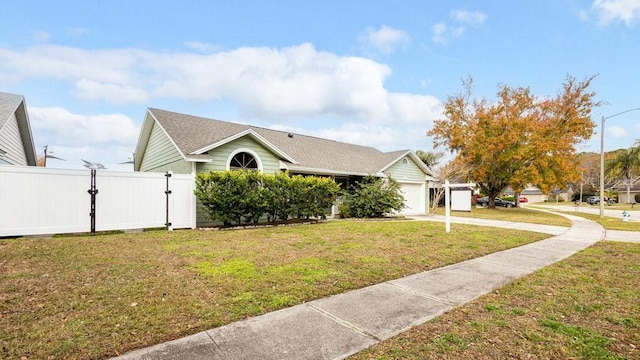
(93, 191)
(167, 193)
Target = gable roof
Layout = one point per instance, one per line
(10, 104)
(193, 136)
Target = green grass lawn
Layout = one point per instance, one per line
(586, 307)
(610, 223)
(512, 214)
(93, 297)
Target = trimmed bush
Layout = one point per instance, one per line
(237, 197)
(373, 198)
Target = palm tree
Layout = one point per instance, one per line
(430, 158)
(625, 166)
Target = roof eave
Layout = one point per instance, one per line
(320, 171)
(26, 135)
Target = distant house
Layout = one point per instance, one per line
(16, 140)
(621, 188)
(532, 193)
(183, 143)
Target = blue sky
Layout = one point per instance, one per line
(374, 73)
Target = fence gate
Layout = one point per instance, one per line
(36, 201)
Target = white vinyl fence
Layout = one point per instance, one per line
(36, 201)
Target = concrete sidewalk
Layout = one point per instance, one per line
(344, 324)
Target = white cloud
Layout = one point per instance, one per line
(201, 46)
(607, 11)
(468, 17)
(617, 131)
(384, 40)
(382, 137)
(95, 90)
(108, 139)
(439, 33)
(267, 83)
(444, 32)
(60, 125)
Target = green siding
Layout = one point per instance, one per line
(406, 172)
(161, 155)
(220, 155)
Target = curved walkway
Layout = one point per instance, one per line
(613, 235)
(342, 325)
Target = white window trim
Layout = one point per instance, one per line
(249, 151)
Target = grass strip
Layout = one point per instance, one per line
(585, 307)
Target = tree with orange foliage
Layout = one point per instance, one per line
(519, 138)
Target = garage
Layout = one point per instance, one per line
(414, 199)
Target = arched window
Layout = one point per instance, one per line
(243, 161)
(405, 161)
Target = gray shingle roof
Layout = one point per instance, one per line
(192, 133)
(8, 105)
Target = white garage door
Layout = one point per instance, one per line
(413, 198)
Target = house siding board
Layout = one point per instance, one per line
(406, 172)
(11, 142)
(220, 155)
(177, 167)
(161, 154)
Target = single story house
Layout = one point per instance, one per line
(16, 140)
(181, 143)
(621, 188)
(532, 193)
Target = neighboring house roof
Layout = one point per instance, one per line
(529, 190)
(11, 104)
(194, 136)
(622, 185)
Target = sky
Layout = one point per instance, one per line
(375, 73)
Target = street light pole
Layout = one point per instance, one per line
(602, 157)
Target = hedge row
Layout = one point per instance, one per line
(237, 197)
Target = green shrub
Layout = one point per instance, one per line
(343, 210)
(636, 197)
(236, 197)
(374, 197)
(277, 193)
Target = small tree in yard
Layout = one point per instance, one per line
(374, 197)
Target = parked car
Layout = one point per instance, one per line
(484, 202)
(593, 200)
(523, 199)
